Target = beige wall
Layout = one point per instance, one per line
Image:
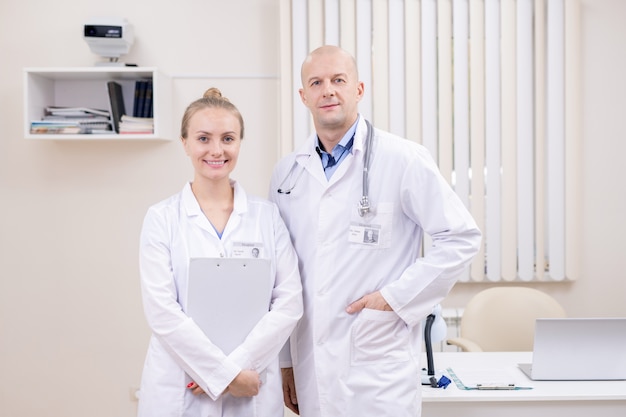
(73, 335)
(72, 332)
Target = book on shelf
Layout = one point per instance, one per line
(136, 125)
(54, 127)
(75, 112)
(131, 130)
(88, 121)
(133, 119)
(87, 118)
(147, 105)
(116, 101)
(97, 128)
(142, 105)
(140, 96)
(82, 120)
(68, 126)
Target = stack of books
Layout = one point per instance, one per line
(130, 124)
(82, 120)
(141, 121)
(72, 120)
(142, 104)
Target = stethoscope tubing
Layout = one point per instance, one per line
(364, 204)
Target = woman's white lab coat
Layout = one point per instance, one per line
(174, 231)
(366, 364)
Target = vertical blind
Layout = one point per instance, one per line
(483, 85)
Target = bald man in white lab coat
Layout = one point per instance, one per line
(356, 350)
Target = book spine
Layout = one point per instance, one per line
(140, 97)
(136, 98)
(116, 100)
(147, 108)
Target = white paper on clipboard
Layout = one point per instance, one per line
(227, 297)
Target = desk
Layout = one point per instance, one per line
(547, 398)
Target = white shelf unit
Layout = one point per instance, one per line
(87, 87)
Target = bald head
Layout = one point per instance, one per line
(330, 53)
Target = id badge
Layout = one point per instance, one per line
(248, 250)
(374, 229)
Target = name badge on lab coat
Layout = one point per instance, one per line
(248, 250)
(373, 230)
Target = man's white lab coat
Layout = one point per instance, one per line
(366, 364)
(174, 231)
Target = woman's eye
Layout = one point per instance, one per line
(228, 139)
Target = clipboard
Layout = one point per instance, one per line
(484, 379)
(226, 297)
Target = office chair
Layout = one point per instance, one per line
(502, 319)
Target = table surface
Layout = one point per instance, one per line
(541, 390)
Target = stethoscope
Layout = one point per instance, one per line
(364, 206)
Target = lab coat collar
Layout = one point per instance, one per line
(241, 198)
(359, 136)
(308, 148)
(192, 207)
(307, 155)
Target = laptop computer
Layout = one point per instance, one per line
(584, 349)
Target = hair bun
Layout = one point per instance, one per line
(213, 93)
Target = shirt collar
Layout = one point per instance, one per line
(344, 141)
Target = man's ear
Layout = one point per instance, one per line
(360, 89)
(302, 97)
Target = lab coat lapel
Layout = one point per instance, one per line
(308, 158)
(194, 212)
(240, 206)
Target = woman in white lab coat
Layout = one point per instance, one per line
(185, 374)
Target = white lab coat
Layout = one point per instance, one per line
(367, 364)
(175, 230)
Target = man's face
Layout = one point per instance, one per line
(331, 89)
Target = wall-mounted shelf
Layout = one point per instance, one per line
(87, 87)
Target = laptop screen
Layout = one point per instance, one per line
(579, 349)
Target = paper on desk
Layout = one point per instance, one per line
(485, 378)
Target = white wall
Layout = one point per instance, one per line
(72, 332)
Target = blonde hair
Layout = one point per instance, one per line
(212, 98)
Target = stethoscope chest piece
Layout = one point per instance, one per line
(364, 206)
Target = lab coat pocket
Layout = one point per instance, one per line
(379, 336)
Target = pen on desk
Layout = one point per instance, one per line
(495, 387)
